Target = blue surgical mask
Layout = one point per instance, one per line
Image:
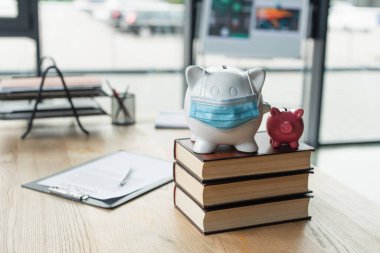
(224, 114)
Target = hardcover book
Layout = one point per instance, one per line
(222, 192)
(227, 162)
(258, 213)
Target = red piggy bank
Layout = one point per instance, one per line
(285, 127)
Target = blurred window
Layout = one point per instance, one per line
(8, 8)
(351, 93)
(102, 35)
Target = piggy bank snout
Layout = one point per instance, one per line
(286, 127)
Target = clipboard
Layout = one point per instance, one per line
(165, 169)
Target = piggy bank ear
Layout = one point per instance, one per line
(274, 111)
(193, 74)
(257, 77)
(298, 113)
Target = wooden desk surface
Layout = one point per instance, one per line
(343, 221)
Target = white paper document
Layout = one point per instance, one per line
(171, 119)
(101, 178)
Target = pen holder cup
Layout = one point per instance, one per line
(123, 109)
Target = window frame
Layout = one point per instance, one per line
(20, 22)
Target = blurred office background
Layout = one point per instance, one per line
(143, 46)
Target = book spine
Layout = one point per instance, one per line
(174, 149)
(174, 194)
(174, 163)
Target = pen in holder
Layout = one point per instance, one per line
(123, 109)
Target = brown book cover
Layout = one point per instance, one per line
(227, 162)
(229, 152)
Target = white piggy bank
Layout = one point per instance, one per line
(224, 106)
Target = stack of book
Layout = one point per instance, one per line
(229, 190)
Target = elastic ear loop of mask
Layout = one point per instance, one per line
(254, 91)
(203, 83)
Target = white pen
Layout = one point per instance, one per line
(125, 179)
